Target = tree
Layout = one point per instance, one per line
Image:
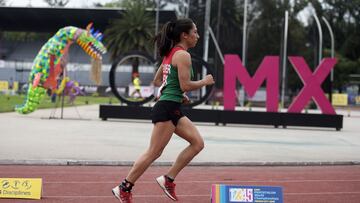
(228, 37)
(2, 3)
(265, 27)
(265, 35)
(266, 32)
(344, 18)
(127, 3)
(110, 4)
(230, 25)
(144, 3)
(57, 3)
(133, 31)
(343, 69)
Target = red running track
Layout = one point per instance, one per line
(94, 183)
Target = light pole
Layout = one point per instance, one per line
(249, 26)
(217, 37)
(320, 37)
(216, 46)
(284, 59)
(156, 23)
(206, 40)
(187, 6)
(244, 46)
(244, 32)
(332, 56)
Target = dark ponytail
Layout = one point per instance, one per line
(170, 34)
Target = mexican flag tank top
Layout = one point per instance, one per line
(170, 89)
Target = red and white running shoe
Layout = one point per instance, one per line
(168, 187)
(122, 196)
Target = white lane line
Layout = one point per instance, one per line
(321, 193)
(107, 196)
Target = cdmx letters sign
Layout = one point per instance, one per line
(269, 71)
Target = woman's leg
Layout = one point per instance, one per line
(160, 137)
(186, 130)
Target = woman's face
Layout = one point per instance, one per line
(192, 37)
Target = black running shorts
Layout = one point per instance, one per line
(166, 111)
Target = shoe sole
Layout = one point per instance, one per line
(164, 189)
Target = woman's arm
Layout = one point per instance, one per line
(158, 77)
(182, 60)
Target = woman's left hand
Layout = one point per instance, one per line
(185, 99)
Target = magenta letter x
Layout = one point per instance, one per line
(312, 85)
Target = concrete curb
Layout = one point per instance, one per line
(130, 163)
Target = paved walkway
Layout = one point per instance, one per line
(37, 139)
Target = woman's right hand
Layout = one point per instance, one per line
(209, 80)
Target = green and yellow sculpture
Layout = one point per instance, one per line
(52, 58)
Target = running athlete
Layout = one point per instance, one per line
(174, 76)
(136, 83)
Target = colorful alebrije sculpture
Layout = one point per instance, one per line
(52, 58)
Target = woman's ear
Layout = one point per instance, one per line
(184, 35)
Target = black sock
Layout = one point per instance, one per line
(126, 186)
(169, 179)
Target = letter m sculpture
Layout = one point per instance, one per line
(268, 70)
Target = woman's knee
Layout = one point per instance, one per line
(198, 145)
(154, 153)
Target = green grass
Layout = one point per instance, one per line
(8, 103)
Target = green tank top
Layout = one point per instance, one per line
(170, 89)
